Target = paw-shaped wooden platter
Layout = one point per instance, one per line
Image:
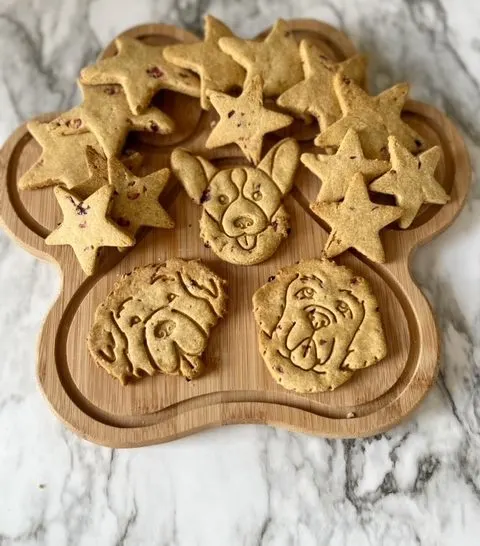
(236, 387)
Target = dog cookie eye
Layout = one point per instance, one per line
(171, 296)
(257, 195)
(223, 199)
(134, 320)
(343, 308)
(305, 293)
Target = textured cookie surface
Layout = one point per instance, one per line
(315, 94)
(374, 118)
(276, 59)
(63, 160)
(217, 70)
(317, 324)
(157, 319)
(86, 226)
(243, 218)
(336, 171)
(356, 222)
(411, 180)
(142, 71)
(244, 120)
(105, 112)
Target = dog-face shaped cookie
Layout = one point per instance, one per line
(243, 218)
(318, 323)
(157, 320)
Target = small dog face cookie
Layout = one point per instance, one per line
(318, 323)
(157, 319)
(243, 218)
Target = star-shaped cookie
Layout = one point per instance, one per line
(85, 226)
(276, 59)
(105, 112)
(217, 71)
(374, 118)
(135, 200)
(142, 71)
(98, 171)
(356, 222)
(336, 171)
(411, 180)
(244, 120)
(315, 94)
(63, 159)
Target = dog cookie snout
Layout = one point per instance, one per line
(243, 222)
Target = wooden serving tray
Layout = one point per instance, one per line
(237, 387)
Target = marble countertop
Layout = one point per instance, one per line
(248, 485)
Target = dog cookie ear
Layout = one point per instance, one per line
(269, 303)
(281, 163)
(194, 173)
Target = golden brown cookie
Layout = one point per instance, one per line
(276, 59)
(217, 71)
(374, 119)
(336, 171)
(105, 112)
(411, 180)
(157, 319)
(315, 94)
(244, 120)
(98, 170)
(63, 160)
(142, 71)
(243, 218)
(135, 200)
(86, 227)
(317, 324)
(356, 222)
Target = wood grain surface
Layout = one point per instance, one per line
(237, 387)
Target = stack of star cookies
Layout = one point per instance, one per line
(84, 155)
(366, 145)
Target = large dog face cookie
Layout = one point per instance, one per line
(157, 319)
(318, 323)
(243, 218)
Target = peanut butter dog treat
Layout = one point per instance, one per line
(243, 218)
(157, 319)
(336, 171)
(98, 171)
(317, 324)
(105, 112)
(244, 120)
(85, 226)
(63, 159)
(374, 118)
(356, 222)
(315, 94)
(217, 71)
(142, 71)
(135, 200)
(276, 59)
(411, 180)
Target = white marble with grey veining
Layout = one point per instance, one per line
(249, 485)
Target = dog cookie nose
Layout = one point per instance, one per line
(242, 222)
(239, 176)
